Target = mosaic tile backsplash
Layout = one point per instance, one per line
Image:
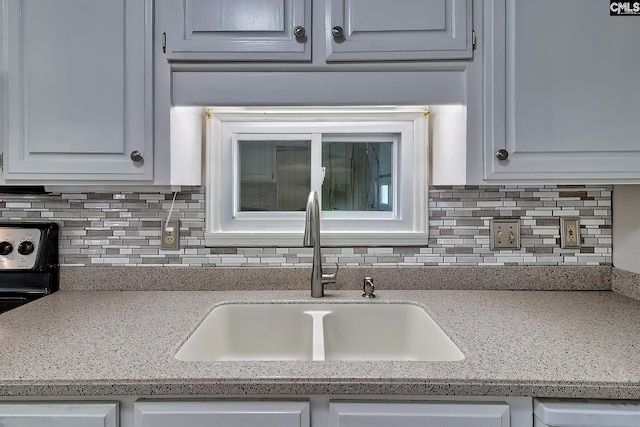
(123, 229)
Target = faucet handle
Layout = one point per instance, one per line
(331, 277)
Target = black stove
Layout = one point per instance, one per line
(28, 262)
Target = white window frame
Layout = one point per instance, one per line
(406, 225)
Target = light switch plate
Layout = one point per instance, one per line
(569, 232)
(504, 234)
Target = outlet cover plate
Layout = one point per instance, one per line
(170, 240)
(569, 232)
(504, 234)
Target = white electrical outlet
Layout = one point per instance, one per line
(171, 235)
(569, 232)
(504, 234)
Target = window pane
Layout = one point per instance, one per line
(274, 175)
(358, 176)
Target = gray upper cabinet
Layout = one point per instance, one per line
(363, 30)
(239, 30)
(561, 102)
(79, 90)
(346, 30)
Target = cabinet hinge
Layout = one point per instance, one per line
(426, 111)
(474, 40)
(164, 42)
(207, 112)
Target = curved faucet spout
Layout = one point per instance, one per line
(311, 221)
(312, 239)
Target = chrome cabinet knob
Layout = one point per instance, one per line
(337, 32)
(299, 31)
(136, 156)
(502, 154)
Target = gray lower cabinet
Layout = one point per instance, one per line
(171, 413)
(561, 94)
(78, 90)
(58, 414)
(418, 414)
(282, 30)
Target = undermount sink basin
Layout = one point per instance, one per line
(319, 331)
(251, 332)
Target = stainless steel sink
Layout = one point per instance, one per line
(308, 331)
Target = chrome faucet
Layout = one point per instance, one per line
(312, 239)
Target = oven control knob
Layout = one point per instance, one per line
(25, 248)
(5, 248)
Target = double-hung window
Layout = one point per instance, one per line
(368, 166)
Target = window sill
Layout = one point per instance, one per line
(328, 239)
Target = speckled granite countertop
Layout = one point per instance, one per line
(516, 343)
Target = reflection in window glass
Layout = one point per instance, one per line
(274, 175)
(358, 176)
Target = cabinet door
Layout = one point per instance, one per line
(398, 30)
(562, 92)
(238, 29)
(79, 89)
(59, 414)
(221, 413)
(442, 414)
